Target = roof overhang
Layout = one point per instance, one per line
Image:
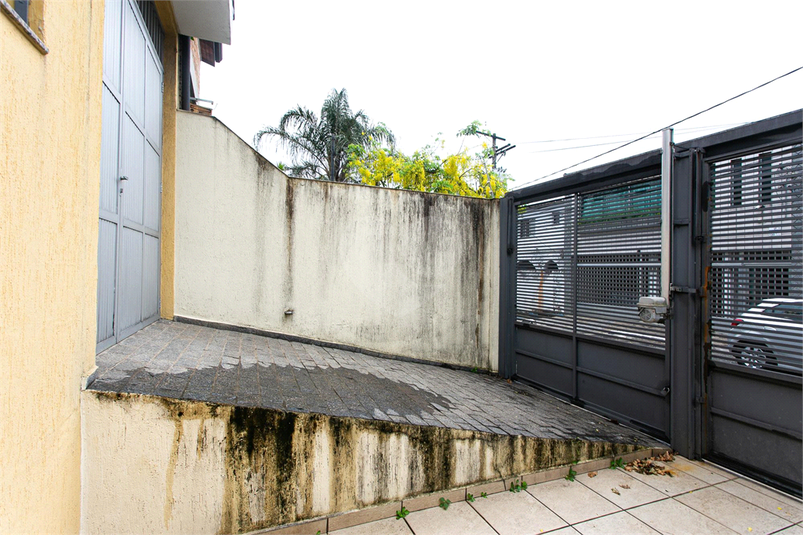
(205, 19)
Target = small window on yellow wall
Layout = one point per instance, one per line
(28, 15)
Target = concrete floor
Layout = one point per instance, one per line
(699, 498)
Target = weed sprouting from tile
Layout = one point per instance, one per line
(401, 514)
(444, 503)
(617, 463)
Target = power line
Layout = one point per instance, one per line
(660, 129)
(575, 147)
(624, 135)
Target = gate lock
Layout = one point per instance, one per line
(652, 309)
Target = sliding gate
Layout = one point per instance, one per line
(754, 325)
(582, 262)
(721, 379)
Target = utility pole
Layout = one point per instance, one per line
(497, 152)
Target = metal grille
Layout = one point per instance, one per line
(148, 10)
(755, 284)
(544, 264)
(584, 260)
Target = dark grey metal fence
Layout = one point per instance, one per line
(722, 378)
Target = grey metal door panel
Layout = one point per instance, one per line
(112, 44)
(152, 189)
(133, 168)
(110, 140)
(754, 324)
(150, 277)
(129, 234)
(153, 101)
(130, 279)
(134, 65)
(107, 253)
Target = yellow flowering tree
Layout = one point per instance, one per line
(463, 173)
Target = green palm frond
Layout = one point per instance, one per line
(319, 145)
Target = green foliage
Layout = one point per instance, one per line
(572, 474)
(484, 495)
(617, 463)
(469, 497)
(401, 514)
(445, 503)
(319, 146)
(462, 173)
(518, 485)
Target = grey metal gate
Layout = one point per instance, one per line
(582, 261)
(754, 327)
(130, 181)
(722, 379)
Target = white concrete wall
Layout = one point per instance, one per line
(399, 272)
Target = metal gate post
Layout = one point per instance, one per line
(507, 286)
(683, 348)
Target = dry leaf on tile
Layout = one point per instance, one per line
(615, 491)
(592, 474)
(648, 467)
(625, 486)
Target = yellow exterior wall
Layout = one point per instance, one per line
(50, 121)
(168, 239)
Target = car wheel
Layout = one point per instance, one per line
(755, 356)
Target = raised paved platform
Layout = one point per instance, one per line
(191, 362)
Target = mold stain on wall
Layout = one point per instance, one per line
(279, 467)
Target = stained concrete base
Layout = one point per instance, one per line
(160, 465)
(241, 460)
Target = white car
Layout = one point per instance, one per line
(769, 336)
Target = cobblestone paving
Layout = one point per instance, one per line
(184, 361)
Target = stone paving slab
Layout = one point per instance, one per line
(602, 502)
(185, 361)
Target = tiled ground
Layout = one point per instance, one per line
(186, 361)
(700, 498)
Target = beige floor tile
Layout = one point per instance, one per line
(516, 513)
(770, 492)
(778, 504)
(638, 494)
(671, 517)
(572, 501)
(459, 519)
(615, 523)
(678, 483)
(793, 530)
(701, 470)
(388, 526)
(564, 531)
(733, 511)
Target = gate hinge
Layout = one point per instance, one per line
(700, 239)
(683, 289)
(511, 250)
(700, 400)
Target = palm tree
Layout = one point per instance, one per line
(319, 146)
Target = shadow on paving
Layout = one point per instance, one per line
(333, 391)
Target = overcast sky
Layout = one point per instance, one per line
(595, 73)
